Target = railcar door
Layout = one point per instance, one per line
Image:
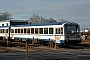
(59, 35)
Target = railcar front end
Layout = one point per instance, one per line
(72, 33)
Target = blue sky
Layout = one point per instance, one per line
(69, 10)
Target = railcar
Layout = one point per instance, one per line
(3, 32)
(59, 33)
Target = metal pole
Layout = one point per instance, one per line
(26, 50)
(9, 31)
(7, 42)
(6, 38)
(55, 42)
(55, 45)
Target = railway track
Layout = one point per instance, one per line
(78, 46)
(6, 49)
(14, 46)
(21, 46)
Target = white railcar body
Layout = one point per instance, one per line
(53, 37)
(55, 32)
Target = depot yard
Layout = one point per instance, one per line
(46, 53)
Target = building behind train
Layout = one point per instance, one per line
(85, 34)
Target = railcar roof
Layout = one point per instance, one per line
(57, 23)
(4, 26)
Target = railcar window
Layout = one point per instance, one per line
(32, 30)
(18, 30)
(28, 31)
(7, 24)
(41, 30)
(2, 24)
(3, 30)
(72, 29)
(15, 30)
(45, 30)
(12, 30)
(36, 30)
(24, 30)
(57, 30)
(6, 30)
(21, 30)
(50, 30)
(0, 30)
(61, 30)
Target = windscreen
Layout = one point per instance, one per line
(71, 29)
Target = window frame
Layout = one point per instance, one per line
(16, 31)
(32, 30)
(52, 30)
(57, 30)
(61, 30)
(36, 30)
(21, 30)
(41, 30)
(46, 31)
(25, 30)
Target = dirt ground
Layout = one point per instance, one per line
(86, 41)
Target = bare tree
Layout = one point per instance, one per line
(62, 20)
(51, 20)
(36, 19)
(7, 15)
(42, 20)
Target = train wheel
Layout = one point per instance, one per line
(50, 44)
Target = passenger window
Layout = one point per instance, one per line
(24, 30)
(2, 24)
(15, 30)
(36, 30)
(7, 24)
(0, 30)
(12, 30)
(32, 30)
(28, 30)
(21, 30)
(41, 30)
(3, 30)
(61, 30)
(50, 30)
(45, 30)
(6, 30)
(57, 30)
(18, 30)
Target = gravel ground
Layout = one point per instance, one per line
(48, 55)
